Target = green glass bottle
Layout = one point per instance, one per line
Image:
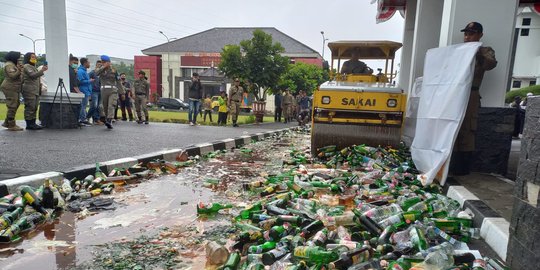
(409, 202)
(315, 254)
(211, 208)
(246, 227)
(246, 237)
(99, 173)
(8, 234)
(47, 195)
(352, 257)
(266, 246)
(273, 255)
(447, 225)
(277, 232)
(418, 239)
(9, 218)
(31, 198)
(232, 261)
(246, 213)
(294, 220)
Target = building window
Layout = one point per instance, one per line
(524, 32)
(188, 72)
(516, 84)
(531, 83)
(526, 21)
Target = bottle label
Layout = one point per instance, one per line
(301, 252)
(29, 198)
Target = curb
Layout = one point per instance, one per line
(494, 229)
(169, 155)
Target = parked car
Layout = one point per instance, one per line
(172, 104)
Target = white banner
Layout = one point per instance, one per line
(446, 87)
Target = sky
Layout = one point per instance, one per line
(122, 28)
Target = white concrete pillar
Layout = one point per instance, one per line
(406, 50)
(56, 43)
(426, 35)
(498, 20)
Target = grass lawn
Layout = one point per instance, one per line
(157, 116)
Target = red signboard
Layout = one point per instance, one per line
(200, 61)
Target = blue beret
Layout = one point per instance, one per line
(105, 58)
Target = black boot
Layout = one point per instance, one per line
(234, 124)
(29, 125)
(108, 123)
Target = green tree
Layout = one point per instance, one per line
(129, 70)
(302, 76)
(257, 61)
(1, 75)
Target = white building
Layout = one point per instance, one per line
(526, 70)
(114, 60)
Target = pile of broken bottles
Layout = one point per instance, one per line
(26, 209)
(359, 207)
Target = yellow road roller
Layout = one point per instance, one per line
(357, 106)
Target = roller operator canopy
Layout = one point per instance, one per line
(372, 49)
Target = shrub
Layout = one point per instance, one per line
(535, 89)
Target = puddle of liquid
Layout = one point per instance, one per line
(143, 209)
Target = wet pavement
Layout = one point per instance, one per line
(158, 217)
(30, 152)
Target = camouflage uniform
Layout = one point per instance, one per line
(110, 88)
(11, 87)
(235, 97)
(286, 104)
(31, 87)
(142, 91)
(485, 60)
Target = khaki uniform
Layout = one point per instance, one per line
(110, 88)
(286, 104)
(235, 96)
(11, 87)
(31, 88)
(485, 60)
(142, 91)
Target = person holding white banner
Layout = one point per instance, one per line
(465, 142)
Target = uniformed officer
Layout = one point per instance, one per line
(11, 87)
(465, 142)
(110, 88)
(235, 97)
(31, 88)
(286, 104)
(142, 92)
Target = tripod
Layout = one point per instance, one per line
(61, 86)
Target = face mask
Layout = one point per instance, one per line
(73, 66)
(33, 61)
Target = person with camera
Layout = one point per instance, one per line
(111, 87)
(31, 89)
(11, 87)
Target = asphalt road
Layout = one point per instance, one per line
(45, 150)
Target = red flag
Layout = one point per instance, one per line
(384, 13)
(536, 8)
